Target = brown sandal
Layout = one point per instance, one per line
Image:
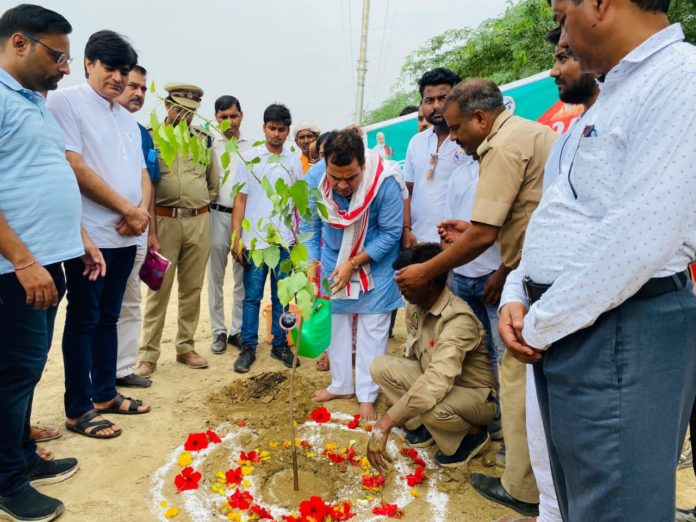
(44, 433)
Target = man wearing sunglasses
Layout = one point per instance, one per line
(39, 229)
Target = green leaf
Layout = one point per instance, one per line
(253, 161)
(274, 159)
(322, 210)
(224, 125)
(296, 282)
(285, 266)
(299, 255)
(152, 87)
(257, 257)
(304, 237)
(283, 294)
(154, 121)
(225, 162)
(298, 192)
(304, 302)
(326, 286)
(258, 143)
(267, 187)
(231, 146)
(245, 225)
(235, 190)
(281, 188)
(271, 256)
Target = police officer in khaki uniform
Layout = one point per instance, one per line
(444, 390)
(182, 196)
(511, 152)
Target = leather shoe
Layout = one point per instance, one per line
(235, 340)
(284, 354)
(492, 489)
(419, 438)
(246, 358)
(145, 369)
(133, 381)
(192, 360)
(219, 345)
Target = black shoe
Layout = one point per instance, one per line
(284, 354)
(133, 381)
(246, 358)
(219, 345)
(470, 446)
(29, 504)
(492, 489)
(419, 438)
(52, 471)
(235, 340)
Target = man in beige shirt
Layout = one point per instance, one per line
(511, 152)
(182, 196)
(444, 390)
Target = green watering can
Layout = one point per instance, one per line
(316, 330)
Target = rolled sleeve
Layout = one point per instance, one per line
(501, 177)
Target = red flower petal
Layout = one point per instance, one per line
(240, 500)
(321, 415)
(261, 512)
(213, 437)
(355, 422)
(234, 476)
(196, 442)
(188, 479)
(389, 510)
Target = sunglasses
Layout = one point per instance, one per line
(58, 56)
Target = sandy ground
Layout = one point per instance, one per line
(115, 478)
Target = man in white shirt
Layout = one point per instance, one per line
(103, 147)
(469, 280)
(227, 108)
(600, 301)
(430, 159)
(252, 204)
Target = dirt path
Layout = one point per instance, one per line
(115, 478)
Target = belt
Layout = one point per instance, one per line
(180, 212)
(654, 287)
(220, 208)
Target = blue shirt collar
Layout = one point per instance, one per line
(656, 43)
(11, 83)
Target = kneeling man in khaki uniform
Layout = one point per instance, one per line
(443, 390)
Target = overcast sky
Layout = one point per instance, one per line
(302, 53)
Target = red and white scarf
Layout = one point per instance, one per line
(354, 220)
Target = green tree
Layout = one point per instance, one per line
(503, 49)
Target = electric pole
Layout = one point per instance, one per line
(362, 63)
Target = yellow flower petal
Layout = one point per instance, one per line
(247, 470)
(246, 483)
(171, 512)
(163, 504)
(237, 517)
(330, 446)
(185, 459)
(273, 444)
(311, 455)
(415, 493)
(219, 489)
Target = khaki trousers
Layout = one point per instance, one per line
(451, 419)
(185, 241)
(518, 478)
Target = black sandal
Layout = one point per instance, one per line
(83, 424)
(114, 407)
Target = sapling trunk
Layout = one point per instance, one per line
(295, 477)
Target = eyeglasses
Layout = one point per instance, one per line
(58, 56)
